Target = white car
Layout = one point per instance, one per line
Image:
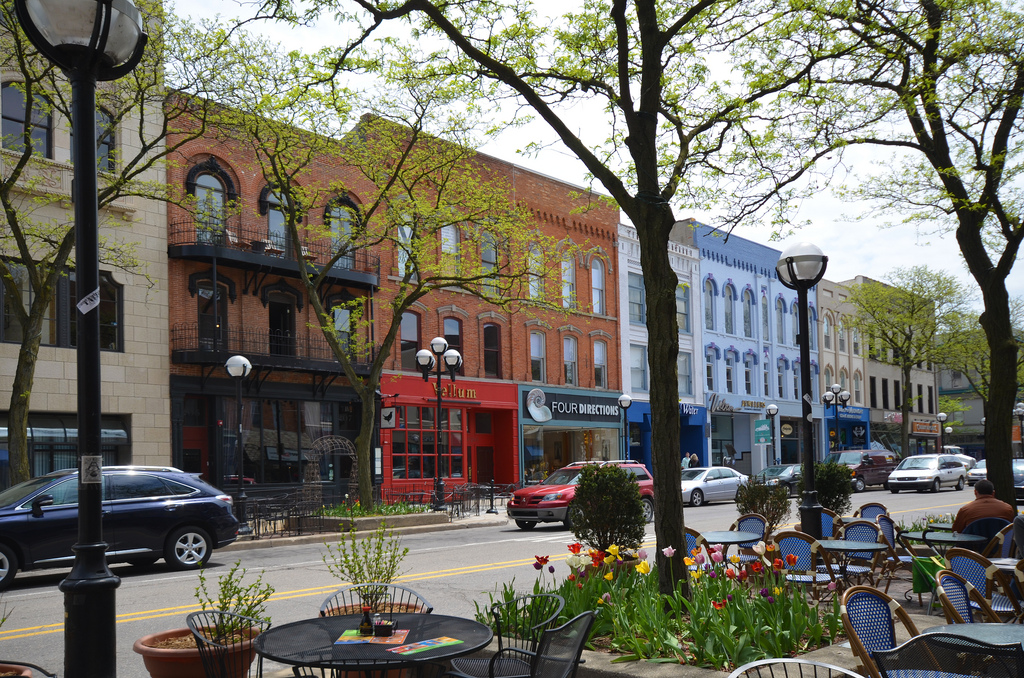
(928, 472)
(713, 483)
(979, 472)
(967, 460)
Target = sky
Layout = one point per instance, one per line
(854, 246)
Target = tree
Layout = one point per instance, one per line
(938, 86)
(415, 178)
(37, 239)
(905, 319)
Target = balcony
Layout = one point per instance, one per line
(249, 246)
(267, 350)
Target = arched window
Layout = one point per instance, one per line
(841, 336)
(569, 282)
(489, 263)
(765, 320)
(338, 218)
(794, 316)
(17, 119)
(597, 298)
(569, 361)
(492, 350)
(780, 321)
(600, 364)
(856, 387)
(826, 331)
(709, 370)
(538, 350)
(855, 337)
(729, 307)
(683, 308)
(730, 377)
(796, 379)
(450, 257)
(210, 205)
(767, 378)
(453, 335)
(410, 340)
(535, 268)
(709, 305)
(782, 379)
(842, 379)
(828, 377)
(276, 224)
(343, 324)
(748, 314)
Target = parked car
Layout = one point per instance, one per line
(548, 501)
(148, 513)
(701, 485)
(867, 467)
(1018, 478)
(783, 474)
(967, 460)
(928, 472)
(979, 472)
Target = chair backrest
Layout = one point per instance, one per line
(868, 616)
(986, 527)
(956, 595)
(949, 654)
(788, 667)
(1001, 545)
(862, 530)
(559, 650)
(973, 567)
(830, 523)
(519, 623)
(379, 596)
(804, 547)
(225, 640)
(751, 522)
(693, 540)
(870, 511)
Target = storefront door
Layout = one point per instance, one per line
(195, 438)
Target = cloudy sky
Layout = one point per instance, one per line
(854, 247)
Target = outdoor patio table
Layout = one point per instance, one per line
(311, 642)
(844, 550)
(945, 527)
(942, 541)
(729, 537)
(1005, 564)
(997, 634)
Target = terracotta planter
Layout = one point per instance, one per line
(183, 663)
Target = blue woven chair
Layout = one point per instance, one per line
(1001, 545)
(992, 584)
(987, 528)
(870, 511)
(864, 564)
(868, 619)
(807, 551)
(898, 556)
(939, 655)
(750, 522)
(830, 523)
(957, 595)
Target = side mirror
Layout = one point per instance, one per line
(39, 502)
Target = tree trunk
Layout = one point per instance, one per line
(906, 407)
(364, 442)
(1002, 389)
(21, 395)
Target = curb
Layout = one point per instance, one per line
(321, 537)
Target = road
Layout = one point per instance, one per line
(454, 570)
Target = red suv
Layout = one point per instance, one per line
(548, 501)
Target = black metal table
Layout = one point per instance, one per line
(998, 634)
(311, 642)
(729, 537)
(942, 541)
(847, 549)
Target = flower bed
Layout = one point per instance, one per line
(735, 613)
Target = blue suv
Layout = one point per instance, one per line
(148, 513)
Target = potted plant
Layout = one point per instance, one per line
(173, 653)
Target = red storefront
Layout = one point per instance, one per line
(479, 432)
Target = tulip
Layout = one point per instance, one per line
(759, 548)
(614, 550)
(575, 548)
(831, 586)
(730, 573)
(734, 559)
(790, 559)
(668, 551)
(717, 556)
(609, 577)
(643, 567)
(641, 554)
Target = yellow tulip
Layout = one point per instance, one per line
(609, 576)
(778, 590)
(695, 574)
(643, 567)
(614, 550)
(609, 560)
(688, 560)
(734, 559)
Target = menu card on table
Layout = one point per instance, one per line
(423, 645)
(353, 637)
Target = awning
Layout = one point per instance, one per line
(63, 429)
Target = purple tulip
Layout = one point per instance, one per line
(551, 569)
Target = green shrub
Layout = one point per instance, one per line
(234, 595)
(377, 558)
(607, 508)
(771, 501)
(832, 483)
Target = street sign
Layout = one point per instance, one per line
(762, 432)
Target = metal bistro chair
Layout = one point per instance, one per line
(225, 641)
(898, 557)
(869, 624)
(957, 595)
(1001, 545)
(870, 511)
(807, 551)
(935, 655)
(518, 624)
(992, 584)
(750, 522)
(830, 522)
(791, 668)
(988, 528)
(865, 564)
(381, 597)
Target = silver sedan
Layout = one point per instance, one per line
(702, 485)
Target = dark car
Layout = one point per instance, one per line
(1018, 478)
(148, 513)
(783, 474)
(867, 467)
(548, 501)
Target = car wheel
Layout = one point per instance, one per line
(858, 484)
(8, 566)
(568, 518)
(936, 485)
(188, 548)
(141, 562)
(960, 483)
(697, 498)
(894, 490)
(648, 509)
(525, 524)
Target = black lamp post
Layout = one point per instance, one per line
(800, 268)
(941, 416)
(445, 359)
(89, 41)
(238, 367)
(625, 400)
(772, 410)
(1019, 411)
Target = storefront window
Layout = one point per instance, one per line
(547, 449)
(413, 449)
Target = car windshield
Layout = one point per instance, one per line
(1018, 465)
(563, 476)
(692, 473)
(13, 495)
(980, 466)
(917, 463)
(775, 471)
(844, 458)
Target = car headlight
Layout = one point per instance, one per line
(551, 497)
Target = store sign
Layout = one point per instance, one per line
(852, 414)
(718, 403)
(543, 406)
(453, 390)
(762, 431)
(930, 428)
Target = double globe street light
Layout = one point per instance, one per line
(445, 359)
(800, 268)
(90, 41)
(942, 416)
(834, 397)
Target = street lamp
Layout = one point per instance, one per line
(1019, 411)
(835, 397)
(772, 410)
(89, 41)
(238, 367)
(444, 358)
(625, 400)
(800, 268)
(942, 416)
